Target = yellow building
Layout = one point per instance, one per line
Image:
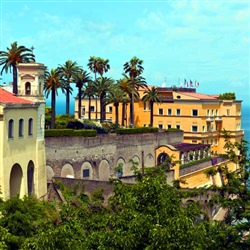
(203, 118)
(22, 147)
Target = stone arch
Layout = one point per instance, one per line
(86, 171)
(30, 178)
(104, 170)
(119, 167)
(162, 158)
(27, 88)
(128, 166)
(50, 173)
(16, 176)
(149, 161)
(67, 171)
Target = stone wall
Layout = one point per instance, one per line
(100, 155)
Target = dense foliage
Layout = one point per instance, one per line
(149, 214)
(227, 96)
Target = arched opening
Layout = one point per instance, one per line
(163, 159)
(30, 178)
(16, 176)
(11, 128)
(50, 173)
(27, 88)
(67, 171)
(86, 171)
(104, 170)
(30, 127)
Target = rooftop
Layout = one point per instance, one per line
(8, 98)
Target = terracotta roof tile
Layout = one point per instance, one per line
(9, 98)
(201, 96)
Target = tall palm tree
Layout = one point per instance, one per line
(53, 82)
(134, 69)
(102, 86)
(116, 96)
(151, 96)
(80, 78)
(12, 57)
(125, 86)
(89, 91)
(68, 70)
(99, 66)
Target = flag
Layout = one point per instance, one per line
(185, 83)
(196, 84)
(191, 83)
(180, 85)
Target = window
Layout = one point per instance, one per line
(194, 128)
(216, 112)
(203, 128)
(195, 112)
(85, 173)
(160, 111)
(20, 129)
(160, 126)
(110, 109)
(11, 129)
(169, 111)
(178, 112)
(27, 88)
(208, 112)
(228, 112)
(212, 112)
(145, 106)
(169, 125)
(216, 141)
(30, 128)
(92, 108)
(178, 126)
(83, 110)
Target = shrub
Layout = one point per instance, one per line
(69, 132)
(123, 131)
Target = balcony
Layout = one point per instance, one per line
(218, 119)
(210, 119)
(201, 165)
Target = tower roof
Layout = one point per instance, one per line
(9, 98)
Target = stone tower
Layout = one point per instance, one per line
(30, 87)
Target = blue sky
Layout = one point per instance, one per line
(206, 41)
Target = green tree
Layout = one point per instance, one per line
(80, 78)
(116, 96)
(102, 85)
(134, 69)
(12, 57)
(68, 70)
(89, 91)
(152, 96)
(98, 65)
(53, 82)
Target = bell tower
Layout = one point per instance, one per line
(30, 87)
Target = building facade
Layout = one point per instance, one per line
(22, 147)
(202, 117)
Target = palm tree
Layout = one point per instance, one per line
(52, 83)
(102, 86)
(80, 78)
(89, 91)
(125, 86)
(134, 69)
(68, 70)
(151, 96)
(98, 65)
(116, 96)
(13, 56)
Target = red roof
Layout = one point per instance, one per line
(9, 98)
(201, 96)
